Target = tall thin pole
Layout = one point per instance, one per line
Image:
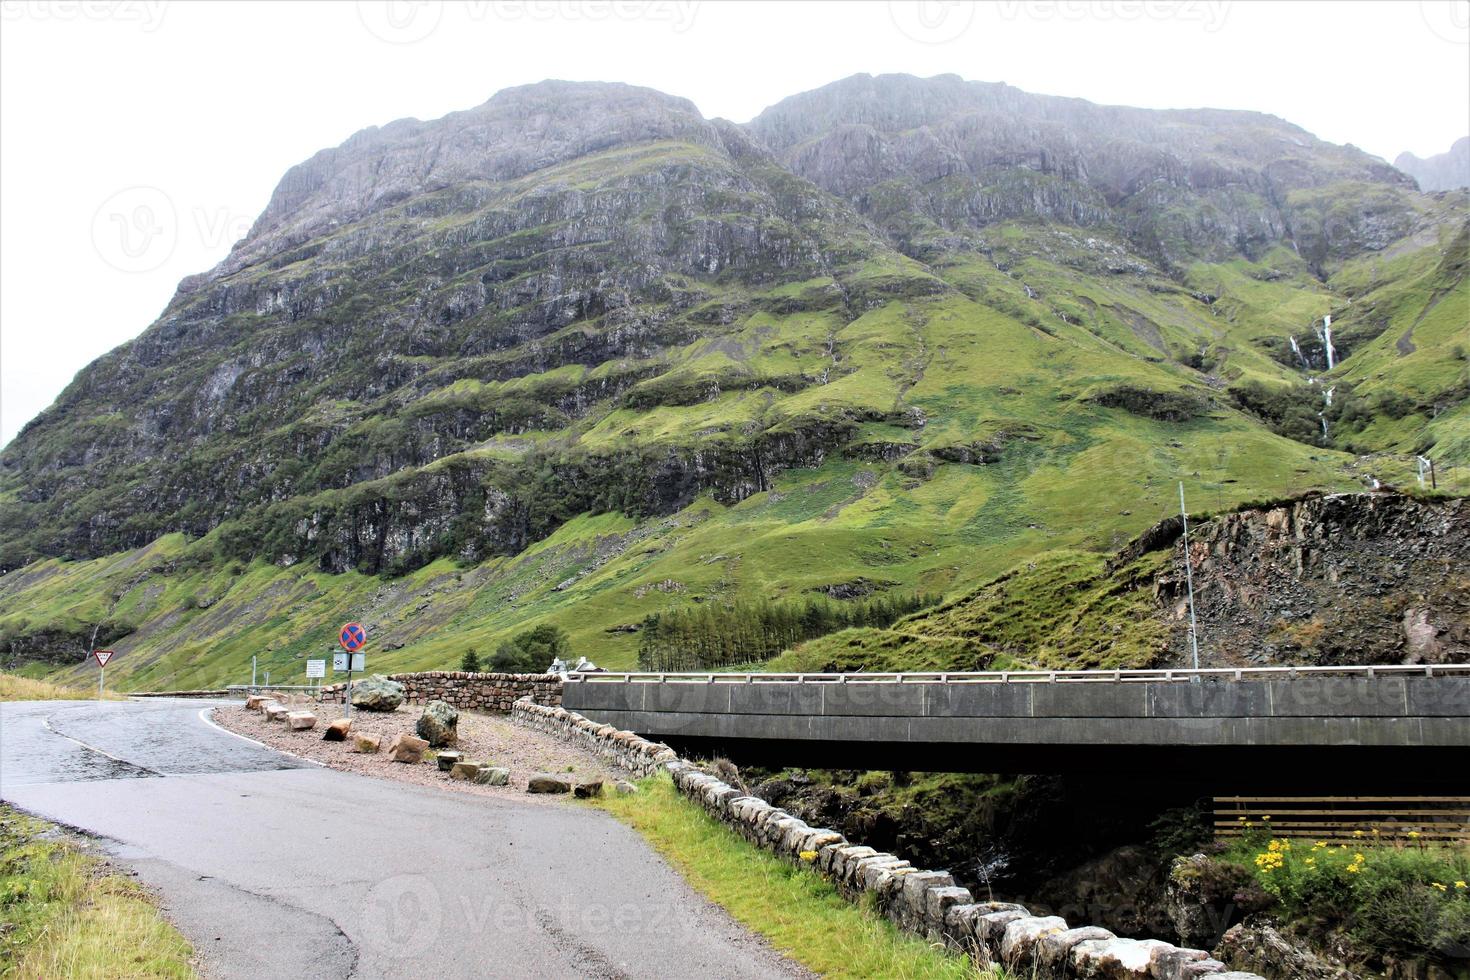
(1189, 578)
(101, 678)
(252, 670)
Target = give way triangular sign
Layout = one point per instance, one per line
(102, 657)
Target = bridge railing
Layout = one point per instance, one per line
(1030, 676)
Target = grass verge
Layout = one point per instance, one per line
(794, 908)
(14, 688)
(63, 914)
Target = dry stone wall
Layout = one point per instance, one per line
(632, 752)
(479, 691)
(928, 903)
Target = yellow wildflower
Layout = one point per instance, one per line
(1437, 885)
(1413, 833)
(1459, 884)
(1357, 833)
(808, 855)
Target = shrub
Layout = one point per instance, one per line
(1399, 897)
(531, 652)
(470, 662)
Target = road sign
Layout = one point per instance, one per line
(339, 662)
(316, 668)
(352, 636)
(102, 657)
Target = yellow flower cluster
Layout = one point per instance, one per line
(808, 855)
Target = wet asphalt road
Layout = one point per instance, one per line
(269, 863)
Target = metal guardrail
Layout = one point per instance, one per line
(271, 687)
(1032, 676)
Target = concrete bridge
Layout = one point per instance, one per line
(1392, 726)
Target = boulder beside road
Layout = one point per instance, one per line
(407, 748)
(300, 721)
(377, 693)
(492, 776)
(439, 724)
(366, 743)
(337, 730)
(546, 782)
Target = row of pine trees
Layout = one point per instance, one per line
(716, 635)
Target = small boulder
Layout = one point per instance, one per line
(301, 721)
(366, 743)
(337, 730)
(587, 790)
(546, 782)
(492, 776)
(447, 760)
(407, 748)
(439, 724)
(466, 771)
(377, 693)
(254, 702)
(275, 711)
(622, 787)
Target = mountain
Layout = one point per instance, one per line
(1441, 172)
(580, 355)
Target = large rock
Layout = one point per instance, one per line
(301, 720)
(275, 711)
(546, 782)
(367, 743)
(254, 702)
(439, 724)
(407, 748)
(466, 771)
(337, 730)
(492, 776)
(446, 760)
(377, 693)
(587, 790)
(1257, 946)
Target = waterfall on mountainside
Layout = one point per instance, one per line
(1327, 342)
(1296, 349)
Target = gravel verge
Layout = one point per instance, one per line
(484, 738)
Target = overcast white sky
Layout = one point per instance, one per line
(138, 140)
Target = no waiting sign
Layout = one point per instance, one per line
(352, 636)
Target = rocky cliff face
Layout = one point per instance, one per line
(1373, 578)
(962, 155)
(1441, 172)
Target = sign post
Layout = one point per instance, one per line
(353, 637)
(316, 669)
(102, 657)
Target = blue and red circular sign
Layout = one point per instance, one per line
(352, 637)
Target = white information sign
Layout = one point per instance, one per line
(316, 668)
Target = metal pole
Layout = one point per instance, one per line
(1189, 578)
(252, 670)
(347, 696)
(101, 679)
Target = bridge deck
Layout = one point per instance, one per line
(1039, 721)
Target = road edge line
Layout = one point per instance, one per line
(204, 717)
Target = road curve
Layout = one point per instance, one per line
(270, 863)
